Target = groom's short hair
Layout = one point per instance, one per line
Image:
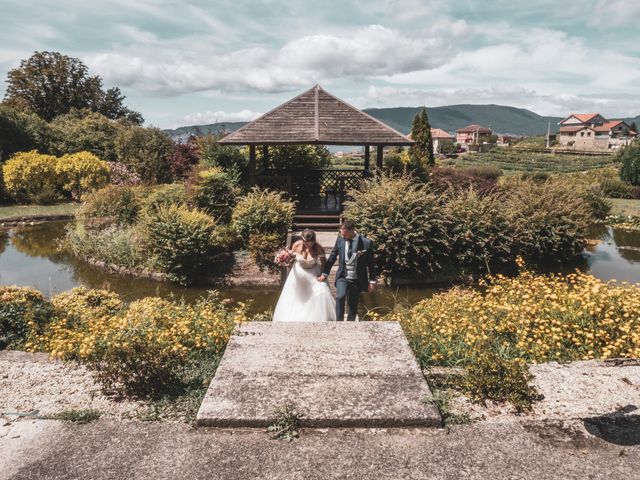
(348, 225)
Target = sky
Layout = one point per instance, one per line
(199, 62)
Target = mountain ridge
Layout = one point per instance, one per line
(501, 119)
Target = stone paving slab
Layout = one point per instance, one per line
(337, 374)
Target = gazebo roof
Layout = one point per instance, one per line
(316, 117)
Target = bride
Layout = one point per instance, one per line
(303, 297)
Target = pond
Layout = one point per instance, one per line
(29, 256)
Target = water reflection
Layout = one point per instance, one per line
(29, 256)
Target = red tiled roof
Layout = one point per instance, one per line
(609, 125)
(584, 117)
(574, 128)
(473, 129)
(439, 133)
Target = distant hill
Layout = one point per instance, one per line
(502, 119)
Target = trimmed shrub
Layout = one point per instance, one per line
(24, 312)
(113, 205)
(548, 220)
(81, 173)
(214, 191)
(182, 241)
(479, 231)
(32, 177)
(164, 196)
(405, 221)
(262, 211)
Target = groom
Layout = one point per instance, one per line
(356, 271)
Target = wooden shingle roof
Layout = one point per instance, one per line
(316, 117)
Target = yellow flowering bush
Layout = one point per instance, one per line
(24, 312)
(81, 316)
(150, 347)
(144, 348)
(82, 172)
(537, 318)
(31, 177)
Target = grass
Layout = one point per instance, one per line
(287, 423)
(13, 211)
(625, 207)
(513, 161)
(76, 416)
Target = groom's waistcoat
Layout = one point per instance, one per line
(365, 265)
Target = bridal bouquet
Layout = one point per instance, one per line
(284, 258)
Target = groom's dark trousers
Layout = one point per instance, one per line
(347, 291)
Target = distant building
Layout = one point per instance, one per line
(440, 137)
(472, 134)
(505, 140)
(591, 131)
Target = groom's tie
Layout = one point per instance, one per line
(349, 246)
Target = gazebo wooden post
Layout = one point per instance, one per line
(367, 159)
(379, 156)
(265, 156)
(252, 164)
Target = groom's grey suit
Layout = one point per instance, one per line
(348, 289)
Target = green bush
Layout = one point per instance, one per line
(84, 130)
(479, 231)
(406, 222)
(183, 242)
(22, 132)
(262, 211)
(491, 377)
(614, 188)
(113, 205)
(163, 196)
(32, 177)
(214, 191)
(548, 220)
(598, 204)
(24, 312)
(629, 157)
(146, 152)
(263, 247)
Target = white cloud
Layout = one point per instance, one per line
(199, 118)
(374, 50)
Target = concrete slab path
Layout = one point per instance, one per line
(337, 374)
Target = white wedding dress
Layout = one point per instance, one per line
(303, 297)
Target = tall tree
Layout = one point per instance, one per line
(422, 151)
(50, 84)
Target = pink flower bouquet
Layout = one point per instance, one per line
(284, 258)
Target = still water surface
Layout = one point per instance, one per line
(29, 256)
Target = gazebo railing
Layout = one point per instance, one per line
(305, 184)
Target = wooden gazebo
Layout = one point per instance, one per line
(315, 117)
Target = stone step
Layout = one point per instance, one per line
(316, 226)
(337, 374)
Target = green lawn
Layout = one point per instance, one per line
(12, 211)
(625, 207)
